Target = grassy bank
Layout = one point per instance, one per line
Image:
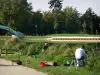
(58, 70)
(58, 52)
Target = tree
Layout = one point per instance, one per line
(37, 21)
(91, 20)
(56, 26)
(56, 5)
(72, 22)
(13, 12)
(59, 20)
(84, 27)
(48, 19)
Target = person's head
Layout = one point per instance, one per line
(45, 43)
(82, 46)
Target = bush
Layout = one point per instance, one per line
(20, 45)
(34, 49)
(14, 46)
(48, 58)
(9, 45)
(93, 62)
(59, 59)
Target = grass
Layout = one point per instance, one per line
(71, 35)
(43, 38)
(58, 70)
(36, 36)
(1, 42)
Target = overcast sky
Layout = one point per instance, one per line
(80, 5)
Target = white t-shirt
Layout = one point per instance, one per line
(79, 53)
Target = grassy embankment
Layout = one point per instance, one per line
(58, 70)
(57, 52)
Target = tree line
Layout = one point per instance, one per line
(19, 15)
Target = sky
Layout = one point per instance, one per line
(80, 5)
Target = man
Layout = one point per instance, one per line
(45, 46)
(80, 55)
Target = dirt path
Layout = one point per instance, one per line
(6, 68)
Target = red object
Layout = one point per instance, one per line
(42, 64)
(30, 57)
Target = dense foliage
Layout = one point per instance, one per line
(56, 5)
(58, 52)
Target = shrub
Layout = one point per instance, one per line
(93, 62)
(34, 49)
(59, 59)
(48, 58)
(20, 45)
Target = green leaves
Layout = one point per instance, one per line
(12, 11)
(56, 5)
(91, 20)
(72, 20)
(56, 26)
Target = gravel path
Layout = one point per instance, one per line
(6, 68)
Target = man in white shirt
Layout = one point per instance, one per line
(80, 55)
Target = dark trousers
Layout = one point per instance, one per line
(80, 60)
